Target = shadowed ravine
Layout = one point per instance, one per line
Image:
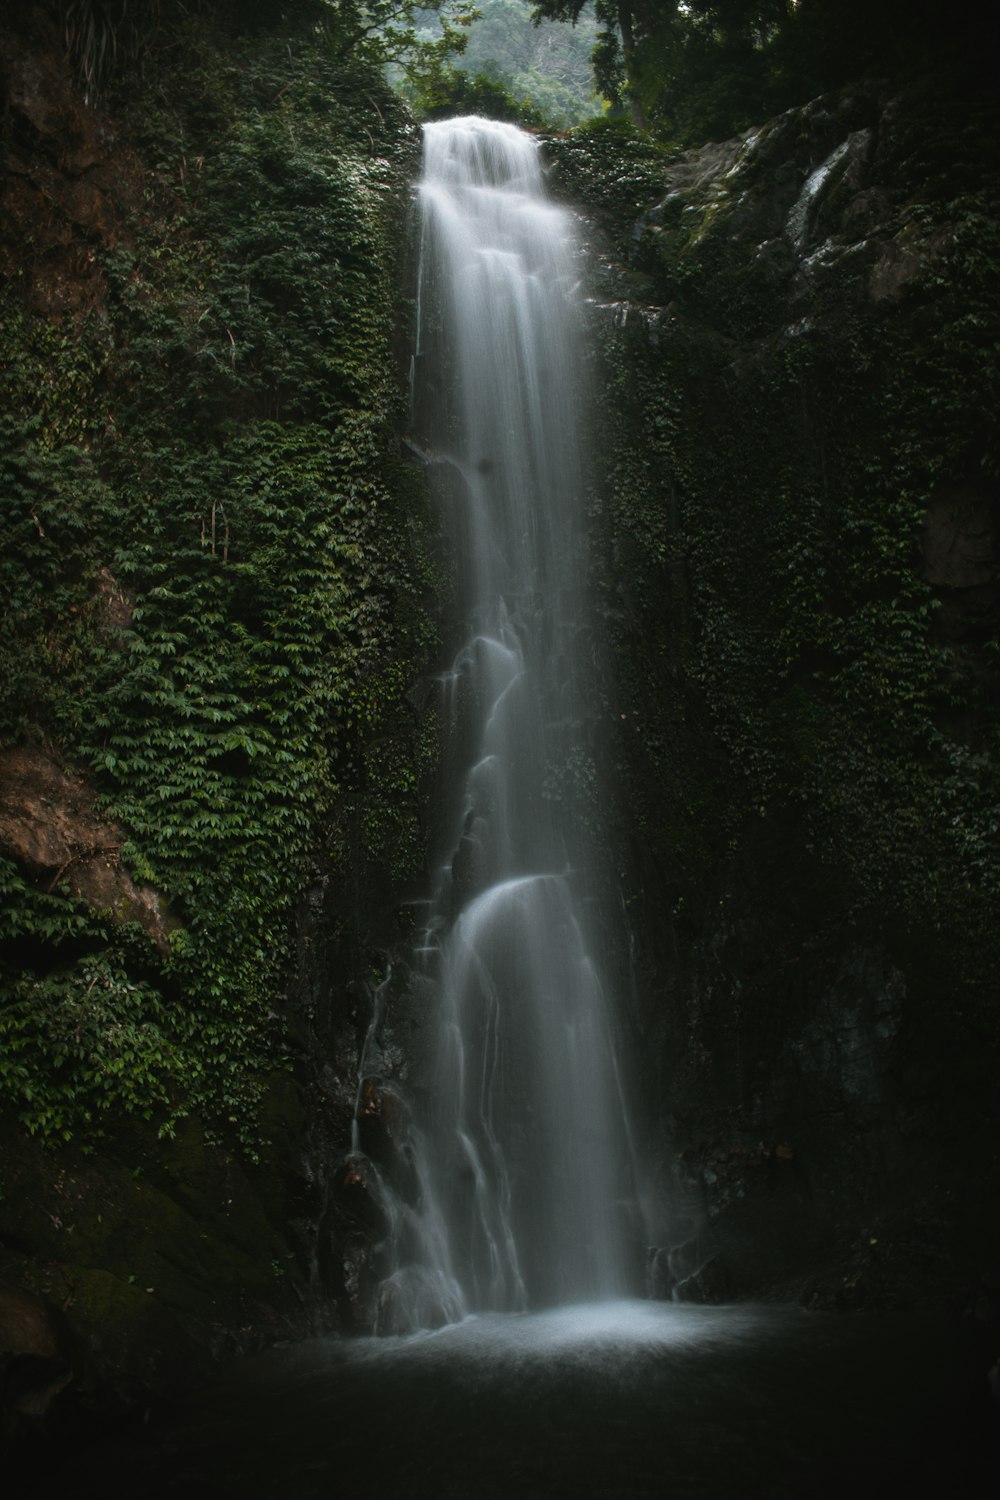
(515, 1364)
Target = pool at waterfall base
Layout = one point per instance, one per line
(618, 1400)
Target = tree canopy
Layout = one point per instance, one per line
(105, 37)
(704, 68)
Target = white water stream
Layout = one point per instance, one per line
(524, 1191)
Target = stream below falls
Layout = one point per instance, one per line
(606, 1401)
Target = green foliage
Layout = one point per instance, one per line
(623, 27)
(85, 1040)
(49, 548)
(704, 69)
(114, 40)
(377, 32)
(547, 65)
(611, 166)
(109, 39)
(85, 1045)
(216, 571)
(438, 93)
(36, 916)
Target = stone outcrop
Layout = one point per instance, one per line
(48, 823)
(69, 181)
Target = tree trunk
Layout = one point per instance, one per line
(626, 25)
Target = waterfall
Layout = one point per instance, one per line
(520, 1179)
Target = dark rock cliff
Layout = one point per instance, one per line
(797, 550)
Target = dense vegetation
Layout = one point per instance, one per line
(512, 67)
(213, 574)
(704, 69)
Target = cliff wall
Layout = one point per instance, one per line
(215, 574)
(796, 537)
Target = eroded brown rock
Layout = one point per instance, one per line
(68, 184)
(33, 1367)
(26, 1325)
(49, 825)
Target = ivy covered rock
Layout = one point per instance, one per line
(215, 578)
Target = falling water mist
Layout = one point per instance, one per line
(520, 1178)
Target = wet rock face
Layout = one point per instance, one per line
(145, 1268)
(380, 1120)
(802, 198)
(961, 554)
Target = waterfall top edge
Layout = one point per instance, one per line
(471, 152)
(480, 123)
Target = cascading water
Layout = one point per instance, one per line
(520, 1156)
